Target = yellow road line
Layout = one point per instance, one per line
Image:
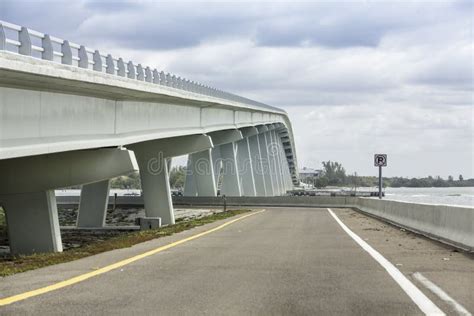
(85, 276)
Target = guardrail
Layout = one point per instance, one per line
(24, 41)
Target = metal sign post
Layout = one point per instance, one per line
(380, 160)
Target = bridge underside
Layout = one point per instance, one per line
(60, 128)
(223, 159)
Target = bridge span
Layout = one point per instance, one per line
(71, 115)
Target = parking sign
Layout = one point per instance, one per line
(380, 160)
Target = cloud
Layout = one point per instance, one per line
(419, 141)
(356, 77)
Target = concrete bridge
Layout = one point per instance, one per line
(71, 115)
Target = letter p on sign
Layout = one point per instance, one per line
(380, 160)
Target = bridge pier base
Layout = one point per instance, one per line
(32, 221)
(93, 204)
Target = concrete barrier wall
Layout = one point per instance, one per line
(306, 201)
(450, 224)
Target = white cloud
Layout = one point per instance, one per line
(419, 141)
(356, 77)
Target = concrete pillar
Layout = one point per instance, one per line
(284, 170)
(155, 182)
(217, 164)
(32, 221)
(279, 162)
(266, 166)
(244, 164)
(257, 165)
(93, 204)
(230, 176)
(224, 156)
(286, 173)
(273, 163)
(282, 164)
(169, 161)
(190, 182)
(203, 173)
(153, 159)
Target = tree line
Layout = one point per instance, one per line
(334, 174)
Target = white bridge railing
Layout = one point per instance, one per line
(21, 40)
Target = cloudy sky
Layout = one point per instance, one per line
(356, 78)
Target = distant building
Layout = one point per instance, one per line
(307, 175)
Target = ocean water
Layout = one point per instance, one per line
(445, 196)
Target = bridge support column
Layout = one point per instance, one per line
(244, 162)
(286, 173)
(257, 165)
(32, 221)
(155, 182)
(217, 164)
(153, 161)
(203, 173)
(266, 166)
(230, 174)
(189, 181)
(273, 163)
(224, 153)
(93, 204)
(285, 169)
(279, 162)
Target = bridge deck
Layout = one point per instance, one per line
(281, 261)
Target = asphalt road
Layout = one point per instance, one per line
(294, 261)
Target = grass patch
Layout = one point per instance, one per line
(16, 264)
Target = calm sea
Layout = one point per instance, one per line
(449, 196)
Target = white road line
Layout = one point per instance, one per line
(420, 299)
(441, 294)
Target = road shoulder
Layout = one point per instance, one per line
(449, 268)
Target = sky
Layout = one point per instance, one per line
(356, 77)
